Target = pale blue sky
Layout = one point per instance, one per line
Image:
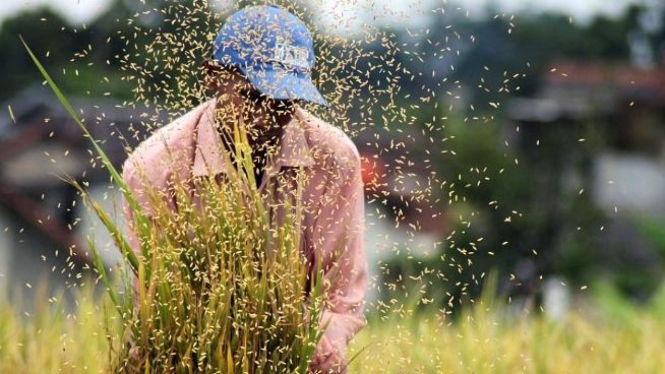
(347, 15)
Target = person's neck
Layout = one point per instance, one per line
(270, 130)
(266, 129)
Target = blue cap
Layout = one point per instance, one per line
(273, 49)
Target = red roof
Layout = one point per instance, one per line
(623, 77)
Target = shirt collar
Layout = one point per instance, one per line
(293, 150)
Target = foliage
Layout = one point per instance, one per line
(88, 54)
(515, 205)
(611, 335)
(51, 340)
(489, 338)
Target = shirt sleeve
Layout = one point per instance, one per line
(340, 240)
(141, 181)
(136, 187)
(129, 177)
(132, 182)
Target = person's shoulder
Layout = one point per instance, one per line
(328, 142)
(165, 145)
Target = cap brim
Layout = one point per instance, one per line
(283, 85)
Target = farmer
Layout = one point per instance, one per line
(259, 72)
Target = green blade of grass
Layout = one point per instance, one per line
(141, 219)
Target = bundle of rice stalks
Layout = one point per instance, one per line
(220, 287)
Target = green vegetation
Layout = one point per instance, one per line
(610, 336)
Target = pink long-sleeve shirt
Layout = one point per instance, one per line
(332, 197)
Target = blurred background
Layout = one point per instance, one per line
(524, 139)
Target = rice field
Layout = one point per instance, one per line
(609, 335)
(605, 334)
(482, 343)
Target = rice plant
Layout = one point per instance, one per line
(220, 285)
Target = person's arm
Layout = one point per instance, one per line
(136, 179)
(144, 178)
(129, 176)
(340, 236)
(131, 183)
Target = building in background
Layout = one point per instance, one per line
(598, 129)
(44, 225)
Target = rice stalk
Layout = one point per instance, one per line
(220, 282)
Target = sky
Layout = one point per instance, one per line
(349, 14)
(344, 16)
